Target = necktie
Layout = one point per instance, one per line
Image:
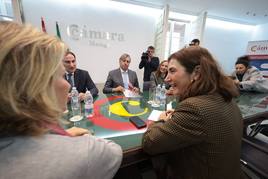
(125, 79)
(69, 79)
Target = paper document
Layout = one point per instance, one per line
(154, 116)
(131, 94)
(169, 106)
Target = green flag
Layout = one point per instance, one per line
(58, 30)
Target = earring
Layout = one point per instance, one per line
(192, 80)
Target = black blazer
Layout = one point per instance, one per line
(83, 81)
(149, 67)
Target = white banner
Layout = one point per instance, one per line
(257, 47)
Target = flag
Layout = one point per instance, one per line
(58, 30)
(43, 25)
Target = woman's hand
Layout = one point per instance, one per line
(77, 131)
(166, 115)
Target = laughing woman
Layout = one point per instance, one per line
(202, 136)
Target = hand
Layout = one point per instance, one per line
(170, 111)
(132, 88)
(82, 96)
(136, 90)
(76, 131)
(166, 115)
(119, 89)
(236, 82)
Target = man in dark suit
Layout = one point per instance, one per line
(77, 77)
(150, 63)
(122, 78)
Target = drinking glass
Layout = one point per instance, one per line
(151, 96)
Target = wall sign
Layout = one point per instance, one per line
(258, 54)
(94, 37)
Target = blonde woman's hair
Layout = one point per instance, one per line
(158, 72)
(29, 60)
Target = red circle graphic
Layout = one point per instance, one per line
(104, 122)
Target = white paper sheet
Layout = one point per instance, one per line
(154, 116)
(131, 94)
(169, 106)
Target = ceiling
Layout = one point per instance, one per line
(242, 11)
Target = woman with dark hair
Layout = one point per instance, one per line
(158, 77)
(202, 136)
(248, 78)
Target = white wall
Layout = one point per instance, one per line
(260, 32)
(135, 23)
(226, 41)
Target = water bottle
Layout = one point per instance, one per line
(88, 104)
(157, 94)
(163, 95)
(75, 102)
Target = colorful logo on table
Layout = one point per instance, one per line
(118, 108)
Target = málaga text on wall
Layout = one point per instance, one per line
(94, 37)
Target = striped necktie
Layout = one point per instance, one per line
(70, 79)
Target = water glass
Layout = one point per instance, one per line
(151, 95)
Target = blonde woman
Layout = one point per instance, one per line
(158, 77)
(33, 95)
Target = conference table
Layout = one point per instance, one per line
(111, 118)
(112, 113)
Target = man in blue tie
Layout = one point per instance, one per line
(122, 78)
(77, 77)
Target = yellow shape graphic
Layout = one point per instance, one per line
(134, 103)
(118, 109)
